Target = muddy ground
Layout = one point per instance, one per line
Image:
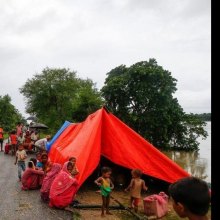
(16, 204)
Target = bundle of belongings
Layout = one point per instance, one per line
(156, 205)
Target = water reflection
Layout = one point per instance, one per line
(196, 163)
(191, 162)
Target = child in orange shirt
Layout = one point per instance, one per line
(14, 142)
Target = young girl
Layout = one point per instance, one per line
(39, 164)
(106, 187)
(135, 187)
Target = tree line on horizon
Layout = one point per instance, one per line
(203, 116)
(140, 95)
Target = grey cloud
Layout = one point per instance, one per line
(93, 37)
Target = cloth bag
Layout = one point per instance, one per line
(156, 205)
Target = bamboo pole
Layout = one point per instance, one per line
(138, 217)
(85, 206)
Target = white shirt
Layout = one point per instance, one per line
(41, 143)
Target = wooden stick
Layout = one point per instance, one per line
(129, 210)
(85, 206)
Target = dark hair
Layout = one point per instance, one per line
(193, 193)
(72, 158)
(20, 145)
(38, 153)
(30, 164)
(69, 164)
(106, 170)
(137, 172)
(44, 154)
(34, 160)
(43, 151)
(13, 132)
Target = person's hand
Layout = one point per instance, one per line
(126, 190)
(98, 184)
(15, 163)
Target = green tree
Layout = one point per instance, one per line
(142, 96)
(9, 115)
(88, 100)
(204, 116)
(52, 96)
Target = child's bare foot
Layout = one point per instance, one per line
(109, 213)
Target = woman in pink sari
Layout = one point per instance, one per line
(63, 188)
(48, 179)
(31, 178)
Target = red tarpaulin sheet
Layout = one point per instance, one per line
(104, 134)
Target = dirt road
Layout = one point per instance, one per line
(16, 204)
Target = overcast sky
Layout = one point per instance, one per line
(94, 36)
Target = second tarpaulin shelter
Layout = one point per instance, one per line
(104, 134)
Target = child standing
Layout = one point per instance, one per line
(135, 187)
(20, 160)
(106, 187)
(14, 142)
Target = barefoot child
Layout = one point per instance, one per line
(106, 187)
(20, 160)
(135, 187)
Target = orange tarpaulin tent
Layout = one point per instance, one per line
(104, 134)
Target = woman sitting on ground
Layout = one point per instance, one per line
(31, 178)
(46, 163)
(63, 188)
(47, 181)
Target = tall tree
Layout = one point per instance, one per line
(51, 96)
(88, 100)
(142, 96)
(9, 115)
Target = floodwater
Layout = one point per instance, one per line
(196, 163)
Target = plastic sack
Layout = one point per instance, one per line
(156, 205)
